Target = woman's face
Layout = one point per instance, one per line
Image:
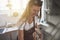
(34, 10)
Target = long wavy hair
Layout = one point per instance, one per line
(26, 13)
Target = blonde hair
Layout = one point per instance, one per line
(26, 13)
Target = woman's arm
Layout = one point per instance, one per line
(34, 35)
(21, 31)
(20, 34)
(38, 32)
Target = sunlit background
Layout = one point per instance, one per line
(11, 10)
(9, 7)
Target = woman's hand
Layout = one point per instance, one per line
(38, 30)
(39, 33)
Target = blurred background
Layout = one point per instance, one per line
(11, 11)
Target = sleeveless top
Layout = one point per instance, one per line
(26, 26)
(29, 29)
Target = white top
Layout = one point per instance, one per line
(26, 26)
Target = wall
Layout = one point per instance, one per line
(4, 19)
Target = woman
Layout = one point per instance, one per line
(27, 30)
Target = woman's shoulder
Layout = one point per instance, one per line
(22, 26)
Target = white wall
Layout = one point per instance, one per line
(6, 19)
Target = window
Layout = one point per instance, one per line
(10, 6)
